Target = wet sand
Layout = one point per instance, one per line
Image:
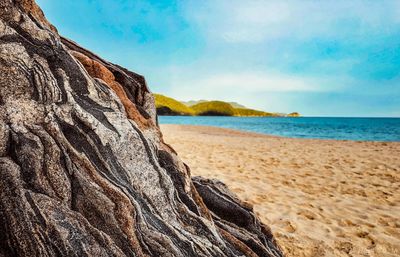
(320, 197)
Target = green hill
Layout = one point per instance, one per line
(169, 106)
(213, 108)
(250, 112)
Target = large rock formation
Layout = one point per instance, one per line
(83, 167)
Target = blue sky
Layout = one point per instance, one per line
(321, 58)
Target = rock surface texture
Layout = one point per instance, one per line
(83, 167)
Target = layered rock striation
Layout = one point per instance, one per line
(83, 167)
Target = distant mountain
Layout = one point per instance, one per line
(169, 106)
(193, 102)
(237, 105)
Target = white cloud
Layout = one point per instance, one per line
(254, 21)
(254, 82)
(247, 42)
(185, 84)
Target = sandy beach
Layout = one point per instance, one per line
(320, 197)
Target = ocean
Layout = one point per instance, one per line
(360, 129)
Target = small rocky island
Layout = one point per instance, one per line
(84, 169)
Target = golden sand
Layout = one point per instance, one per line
(320, 197)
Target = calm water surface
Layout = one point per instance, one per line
(370, 129)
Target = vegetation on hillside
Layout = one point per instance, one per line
(250, 112)
(169, 106)
(213, 108)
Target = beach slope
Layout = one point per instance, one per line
(320, 197)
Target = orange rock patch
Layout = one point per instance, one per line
(97, 70)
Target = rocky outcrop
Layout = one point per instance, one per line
(84, 170)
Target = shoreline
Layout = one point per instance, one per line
(321, 197)
(231, 130)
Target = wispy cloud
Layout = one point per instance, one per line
(250, 82)
(255, 21)
(185, 83)
(332, 57)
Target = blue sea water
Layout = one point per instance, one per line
(368, 129)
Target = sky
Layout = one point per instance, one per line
(319, 58)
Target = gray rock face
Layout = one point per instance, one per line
(83, 167)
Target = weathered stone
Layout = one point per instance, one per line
(83, 167)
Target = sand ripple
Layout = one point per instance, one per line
(320, 197)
